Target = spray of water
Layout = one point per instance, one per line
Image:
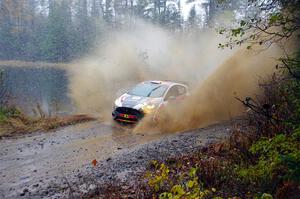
(149, 52)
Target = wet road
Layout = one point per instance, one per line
(35, 160)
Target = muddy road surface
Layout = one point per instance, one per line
(43, 165)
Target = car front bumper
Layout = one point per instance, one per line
(127, 115)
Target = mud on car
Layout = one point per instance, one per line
(147, 97)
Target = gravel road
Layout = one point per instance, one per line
(46, 165)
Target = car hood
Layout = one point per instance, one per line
(136, 102)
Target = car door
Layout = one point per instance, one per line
(174, 95)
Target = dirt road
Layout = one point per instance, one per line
(43, 164)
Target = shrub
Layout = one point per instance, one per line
(6, 113)
(182, 185)
(278, 161)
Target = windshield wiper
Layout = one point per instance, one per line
(152, 91)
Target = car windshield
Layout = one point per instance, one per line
(148, 90)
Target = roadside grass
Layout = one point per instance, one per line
(222, 171)
(17, 63)
(13, 122)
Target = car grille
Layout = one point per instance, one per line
(130, 111)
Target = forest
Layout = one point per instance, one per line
(62, 30)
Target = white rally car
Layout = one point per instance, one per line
(147, 97)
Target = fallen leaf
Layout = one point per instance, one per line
(94, 162)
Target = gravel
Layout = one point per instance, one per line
(129, 158)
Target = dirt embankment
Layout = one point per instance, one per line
(19, 124)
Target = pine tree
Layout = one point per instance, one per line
(56, 44)
(6, 36)
(192, 18)
(108, 12)
(96, 20)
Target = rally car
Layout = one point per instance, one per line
(147, 97)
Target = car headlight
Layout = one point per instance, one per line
(148, 108)
(117, 103)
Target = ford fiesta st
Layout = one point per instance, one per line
(145, 98)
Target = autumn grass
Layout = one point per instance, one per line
(20, 124)
(37, 64)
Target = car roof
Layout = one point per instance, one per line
(165, 82)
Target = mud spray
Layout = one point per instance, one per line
(148, 52)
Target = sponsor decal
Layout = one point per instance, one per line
(127, 116)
